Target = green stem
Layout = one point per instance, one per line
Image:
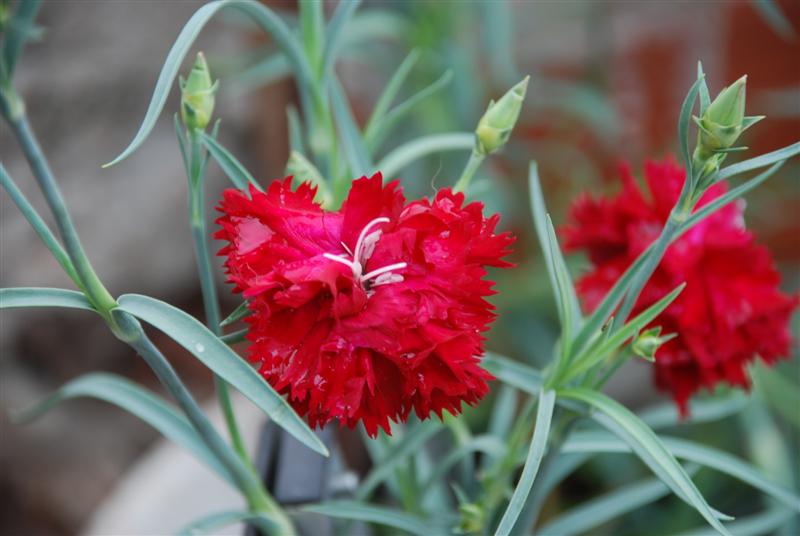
(130, 331)
(96, 292)
(476, 158)
(197, 219)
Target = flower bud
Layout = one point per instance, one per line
(197, 95)
(648, 341)
(471, 519)
(722, 122)
(495, 126)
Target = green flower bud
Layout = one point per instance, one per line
(197, 95)
(648, 342)
(471, 519)
(722, 122)
(494, 128)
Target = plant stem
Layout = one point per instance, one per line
(205, 270)
(130, 331)
(95, 291)
(474, 162)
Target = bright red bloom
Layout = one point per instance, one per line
(364, 313)
(731, 309)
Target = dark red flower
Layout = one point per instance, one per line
(731, 310)
(364, 313)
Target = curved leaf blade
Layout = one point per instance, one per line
(136, 400)
(544, 415)
(233, 169)
(212, 523)
(260, 14)
(11, 298)
(373, 514)
(217, 356)
(353, 144)
(645, 443)
(513, 373)
(413, 150)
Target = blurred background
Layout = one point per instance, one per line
(607, 79)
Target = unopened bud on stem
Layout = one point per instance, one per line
(494, 128)
(197, 95)
(648, 342)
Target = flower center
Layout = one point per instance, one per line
(357, 261)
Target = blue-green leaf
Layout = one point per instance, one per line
(772, 14)
(560, 280)
(767, 522)
(383, 127)
(700, 411)
(217, 356)
(544, 414)
(336, 33)
(686, 450)
(352, 143)
(232, 168)
(763, 160)
(11, 298)
(136, 400)
(490, 445)
(260, 14)
(390, 93)
(684, 120)
(240, 312)
(646, 444)
(18, 30)
(373, 514)
(396, 455)
(513, 373)
(412, 151)
(212, 523)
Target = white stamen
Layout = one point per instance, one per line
(386, 279)
(359, 244)
(365, 247)
(384, 270)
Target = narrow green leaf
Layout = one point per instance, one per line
(700, 411)
(503, 412)
(684, 120)
(396, 455)
(560, 281)
(779, 391)
(262, 73)
(383, 127)
(39, 226)
(232, 168)
(713, 458)
(646, 444)
(260, 14)
(373, 514)
(295, 130)
(335, 37)
(213, 353)
(589, 515)
(492, 446)
(213, 523)
(136, 400)
(774, 16)
(234, 337)
(182, 142)
(767, 522)
(352, 143)
(412, 151)
(17, 31)
(240, 312)
(758, 162)
(513, 373)
(544, 414)
(731, 195)
(597, 354)
(705, 98)
(11, 298)
(390, 93)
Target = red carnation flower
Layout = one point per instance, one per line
(731, 310)
(364, 313)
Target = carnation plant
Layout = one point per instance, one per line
(365, 308)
